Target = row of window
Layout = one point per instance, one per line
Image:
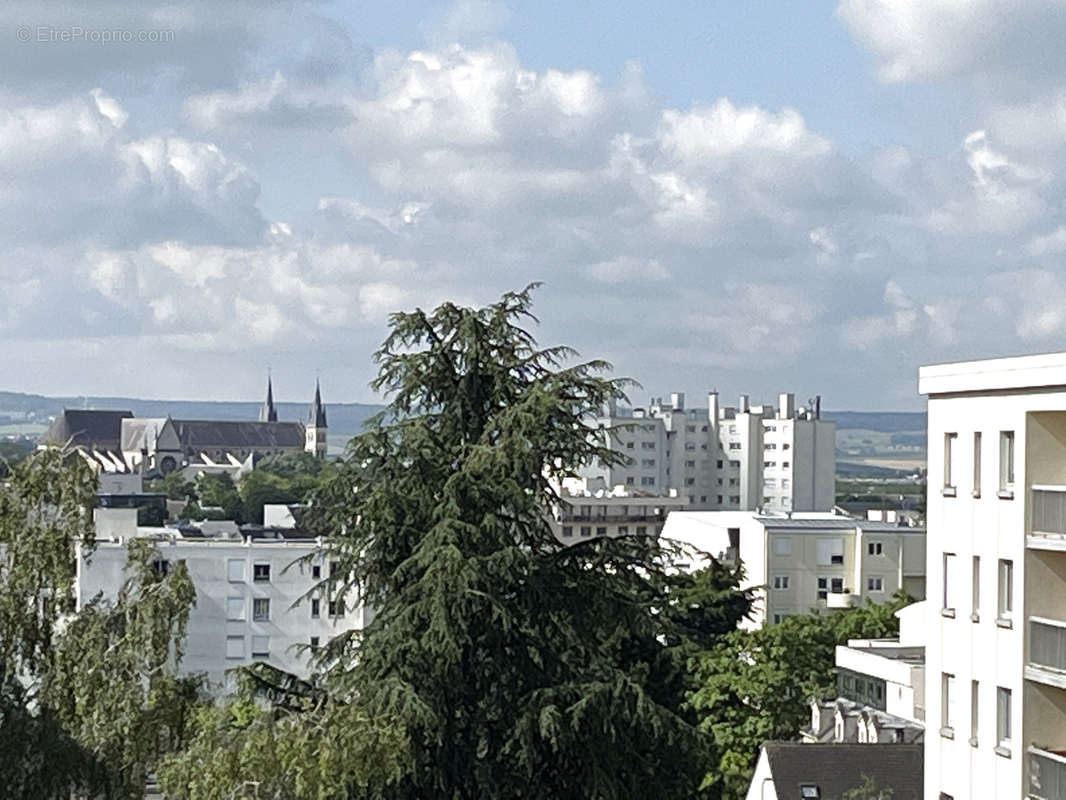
(235, 570)
(1004, 589)
(874, 583)
(601, 530)
(949, 716)
(1006, 464)
(237, 609)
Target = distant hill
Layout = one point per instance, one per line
(345, 419)
(883, 421)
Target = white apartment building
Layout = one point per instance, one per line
(996, 649)
(249, 592)
(808, 561)
(587, 508)
(744, 458)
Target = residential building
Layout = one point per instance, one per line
(587, 508)
(746, 457)
(808, 561)
(256, 596)
(795, 771)
(996, 514)
(880, 688)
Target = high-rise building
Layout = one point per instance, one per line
(996, 632)
(729, 458)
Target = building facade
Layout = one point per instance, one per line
(996, 649)
(731, 458)
(256, 596)
(804, 562)
(587, 508)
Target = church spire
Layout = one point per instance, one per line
(268, 413)
(317, 415)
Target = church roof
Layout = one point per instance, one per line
(100, 429)
(224, 434)
(140, 432)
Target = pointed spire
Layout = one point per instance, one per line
(268, 413)
(317, 415)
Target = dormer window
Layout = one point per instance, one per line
(810, 790)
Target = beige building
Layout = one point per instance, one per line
(808, 561)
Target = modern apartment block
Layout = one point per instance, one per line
(739, 458)
(996, 648)
(250, 591)
(588, 508)
(808, 561)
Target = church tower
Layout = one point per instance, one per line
(268, 413)
(316, 426)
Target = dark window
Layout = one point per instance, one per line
(315, 608)
(161, 567)
(261, 572)
(336, 608)
(316, 572)
(261, 609)
(568, 531)
(314, 641)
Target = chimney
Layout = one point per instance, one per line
(786, 405)
(677, 401)
(744, 404)
(712, 407)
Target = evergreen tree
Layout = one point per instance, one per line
(517, 666)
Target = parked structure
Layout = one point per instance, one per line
(250, 583)
(808, 561)
(996, 650)
(744, 458)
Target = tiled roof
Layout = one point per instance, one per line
(837, 768)
(100, 429)
(217, 434)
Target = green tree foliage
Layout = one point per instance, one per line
(218, 491)
(868, 790)
(322, 751)
(87, 698)
(174, 485)
(754, 685)
(259, 488)
(518, 667)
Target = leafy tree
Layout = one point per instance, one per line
(174, 485)
(517, 666)
(218, 491)
(259, 488)
(77, 690)
(754, 685)
(868, 790)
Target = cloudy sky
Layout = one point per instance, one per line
(760, 196)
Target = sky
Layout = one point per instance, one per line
(753, 197)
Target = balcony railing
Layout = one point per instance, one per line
(1047, 643)
(1047, 775)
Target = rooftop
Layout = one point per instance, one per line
(837, 768)
(994, 374)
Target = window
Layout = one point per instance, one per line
(1003, 710)
(623, 530)
(947, 607)
(234, 647)
(769, 464)
(586, 530)
(647, 481)
(949, 447)
(629, 481)
(647, 445)
(785, 464)
(315, 607)
(836, 585)
(690, 445)
(690, 481)
(316, 572)
(719, 499)
(782, 546)
(830, 551)
(690, 464)
(642, 530)
(770, 483)
(875, 583)
(947, 692)
(734, 498)
(629, 445)
(975, 590)
(1006, 592)
(314, 641)
(261, 572)
(690, 428)
(235, 609)
(161, 567)
(771, 446)
(874, 548)
(780, 581)
(734, 463)
(719, 463)
(260, 645)
(810, 791)
(568, 531)
(235, 570)
(261, 609)
(734, 445)
(977, 464)
(336, 608)
(601, 530)
(823, 588)
(647, 463)
(1006, 464)
(974, 698)
(779, 616)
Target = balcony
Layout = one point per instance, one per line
(1048, 518)
(1047, 775)
(841, 600)
(1047, 652)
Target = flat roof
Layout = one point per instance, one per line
(994, 374)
